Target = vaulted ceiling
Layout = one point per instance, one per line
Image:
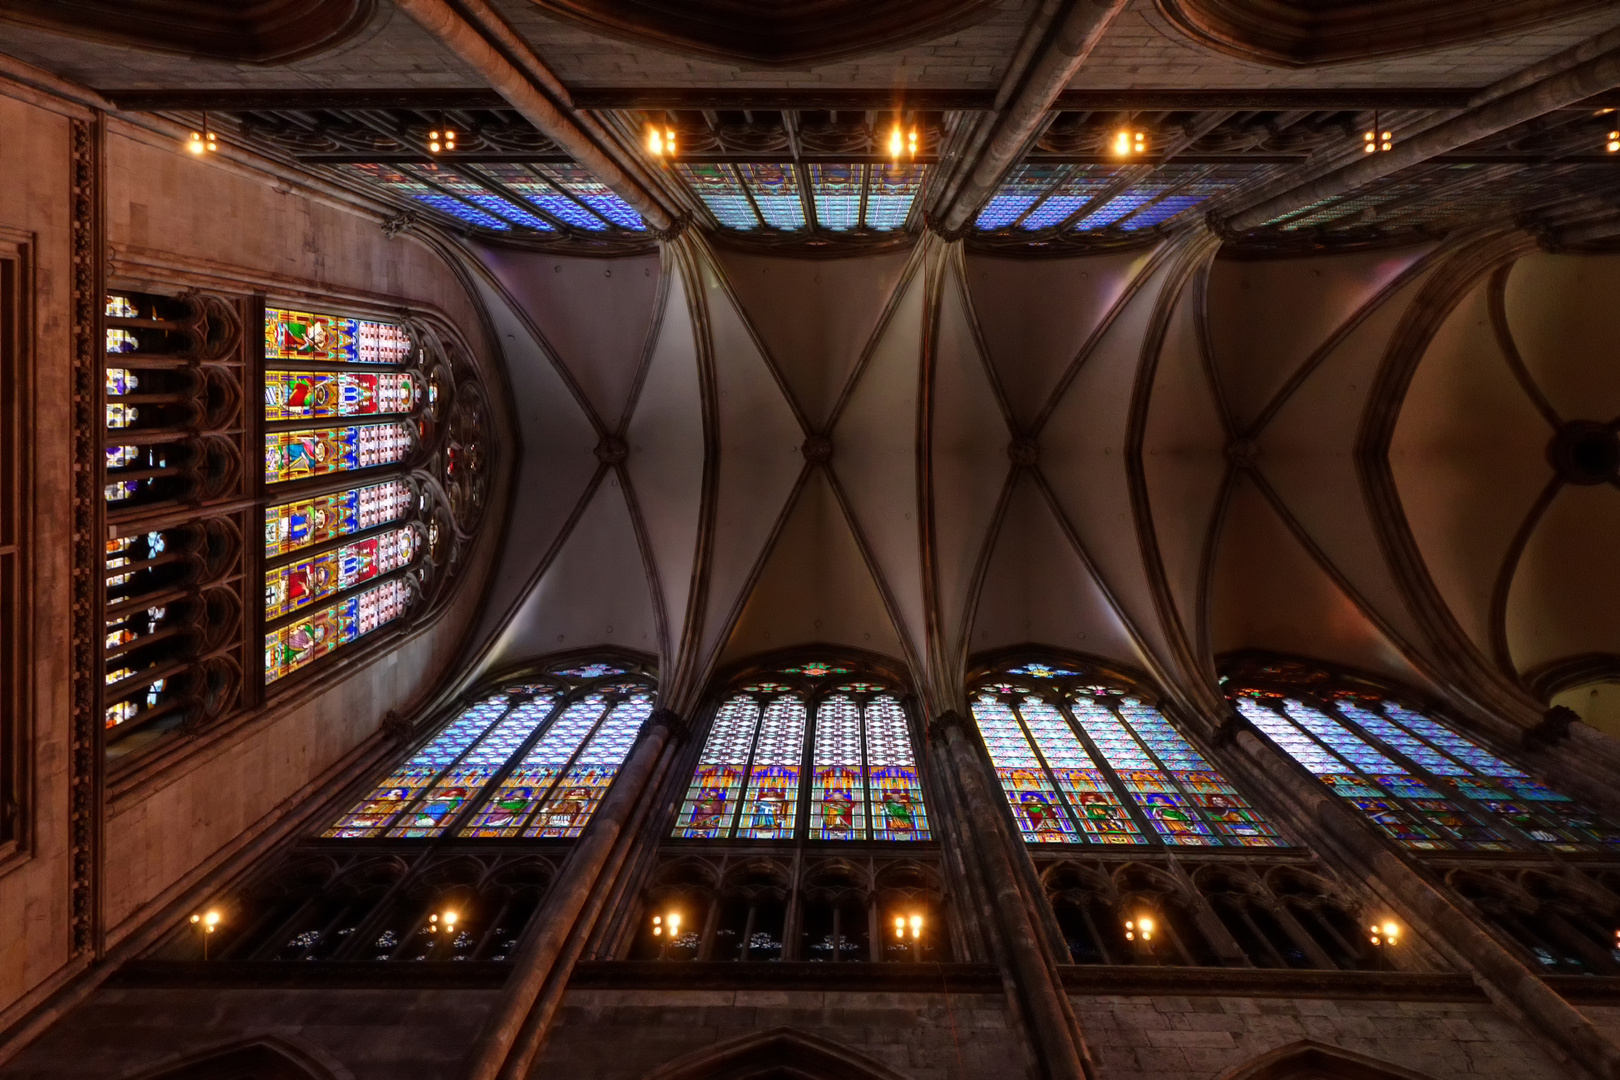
(1155, 457)
(791, 386)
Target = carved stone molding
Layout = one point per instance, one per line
(1307, 33)
(250, 31)
(84, 748)
(773, 32)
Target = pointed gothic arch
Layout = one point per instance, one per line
(1308, 1059)
(264, 1057)
(777, 1054)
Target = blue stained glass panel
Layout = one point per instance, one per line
(1035, 803)
(572, 803)
(776, 192)
(892, 189)
(1446, 739)
(837, 192)
(385, 802)
(1415, 749)
(584, 186)
(526, 786)
(478, 766)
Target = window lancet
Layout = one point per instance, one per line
(837, 748)
(1083, 762)
(1424, 784)
(533, 760)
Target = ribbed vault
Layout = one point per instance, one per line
(1156, 457)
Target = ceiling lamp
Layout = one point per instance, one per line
(1377, 140)
(1128, 142)
(902, 142)
(660, 141)
(203, 141)
(442, 140)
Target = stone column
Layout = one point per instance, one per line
(1512, 986)
(512, 1035)
(1029, 969)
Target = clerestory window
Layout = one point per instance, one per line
(1087, 761)
(1417, 777)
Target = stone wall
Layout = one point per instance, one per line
(613, 1034)
(1139, 1038)
(358, 1034)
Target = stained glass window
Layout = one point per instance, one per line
(383, 805)
(299, 335)
(893, 784)
(577, 795)
(301, 523)
(295, 585)
(298, 455)
(1082, 762)
(313, 635)
(532, 761)
(1424, 784)
(847, 744)
(775, 189)
(310, 395)
(711, 801)
(722, 192)
(891, 191)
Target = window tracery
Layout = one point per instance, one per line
(1421, 781)
(1085, 760)
(376, 457)
(533, 759)
(820, 737)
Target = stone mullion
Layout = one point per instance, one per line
(1445, 924)
(1301, 936)
(948, 816)
(611, 936)
(1030, 971)
(1209, 922)
(518, 1024)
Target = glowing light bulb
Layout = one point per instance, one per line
(449, 918)
(1613, 145)
(1122, 143)
(196, 144)
(911, 142)
(434, 145)
(900, 928)
(669, 141)
(896, 141)
(916, 926)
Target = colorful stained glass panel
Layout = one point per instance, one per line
(433, 813)
(1102, 817)
(317, 395)
(1034, 801)
(526, 786)
(572, 803)
(293, 526)
(711, 801)
(837, 792)
(893, 786)
(318, 633)
(295, 455)
(379, 809)
(770, 803)
(776, 192)
(308, 581)
(301, 335)
(891, 191)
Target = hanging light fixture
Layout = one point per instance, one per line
(1129, 142)
(660, 141)
(203, 141)
(1377, 140)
